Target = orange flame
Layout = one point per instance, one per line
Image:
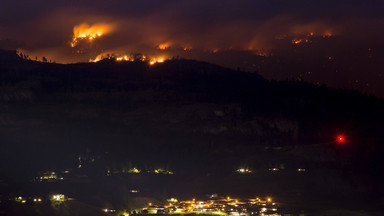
(156, 60)
(164, 46)
(124, 58)
(297, 41)
(85, 31)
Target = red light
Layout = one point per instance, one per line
(340, 139)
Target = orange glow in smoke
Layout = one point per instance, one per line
(164, 46)
(85, 31)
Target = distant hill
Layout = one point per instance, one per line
(177, 111)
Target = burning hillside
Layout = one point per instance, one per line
(84, 31)
(131, 57)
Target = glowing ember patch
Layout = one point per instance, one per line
(297, 41)
(85, 31)
(327, 34)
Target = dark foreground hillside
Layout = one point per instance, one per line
(190, 117)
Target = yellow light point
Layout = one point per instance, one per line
(269, 199)
(85, 31)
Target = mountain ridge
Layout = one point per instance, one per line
(175, 107)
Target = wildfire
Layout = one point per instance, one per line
(98, 58)
(156, 60)
(132, 57)
(85, 31)
(124, 58)
(327, 34)
(297, 41)
(188, 48)
(164, 46)
(308, 38)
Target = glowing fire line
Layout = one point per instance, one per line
(121, 58)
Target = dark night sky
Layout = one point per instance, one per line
(46, 27)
